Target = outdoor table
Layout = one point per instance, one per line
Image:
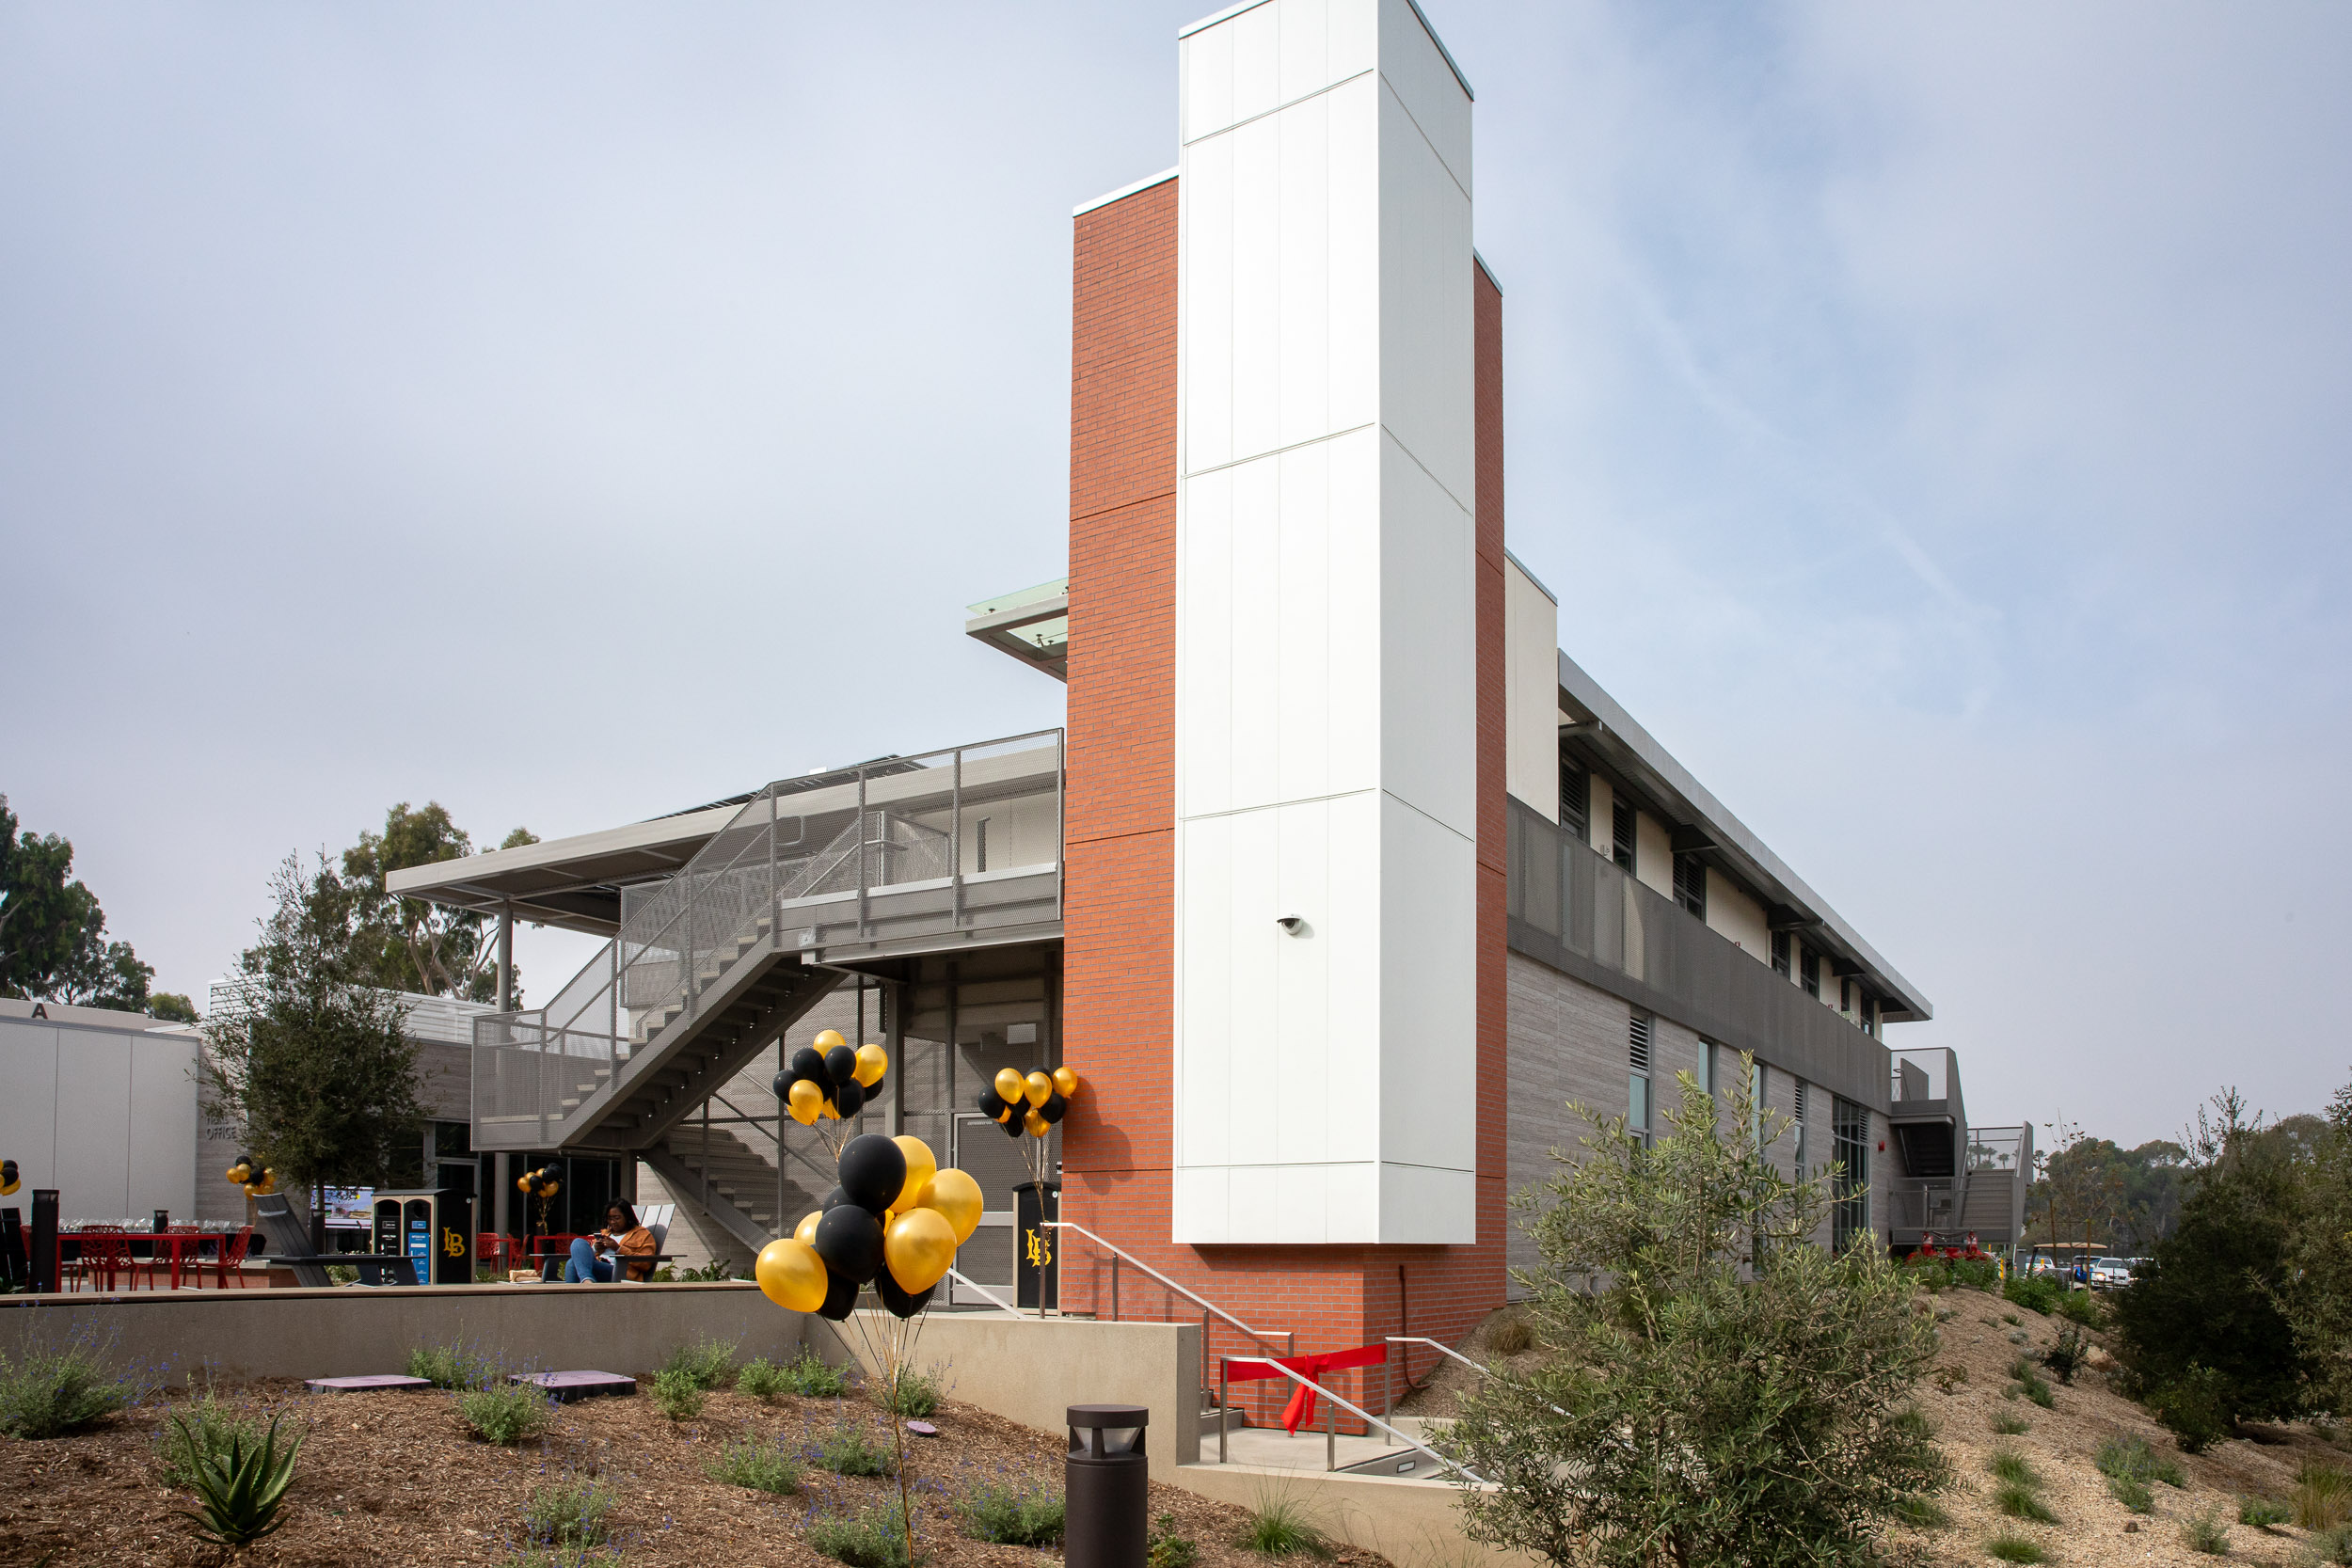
(179, 1245)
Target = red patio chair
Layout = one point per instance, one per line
(231, 1258)
(105, 1257)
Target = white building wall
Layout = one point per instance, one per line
(1531, 691)
(108, 1117)
(1653, 854)
(1326, 726)
(1732, 912)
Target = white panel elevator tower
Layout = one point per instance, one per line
(1326, 623)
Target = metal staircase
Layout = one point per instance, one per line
(713, 963)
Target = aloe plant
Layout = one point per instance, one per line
(239, 1492)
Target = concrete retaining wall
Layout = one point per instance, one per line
(1032, 1371)
(350, 1332)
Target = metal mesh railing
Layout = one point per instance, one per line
(895, 852)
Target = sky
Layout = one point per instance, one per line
(1934, 421)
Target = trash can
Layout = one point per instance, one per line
(1107, 1494)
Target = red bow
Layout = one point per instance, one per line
(1301, 1410)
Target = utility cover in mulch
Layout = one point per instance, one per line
(399, 1478)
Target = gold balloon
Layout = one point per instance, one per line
(806, 1101)
(826, 1039)
(522, 1184)
(1036, 1088)
(1035, 1123)
(921, 1165)
(1010, 1086)
(806, 1229)
(791, 1275)
(831, 1111)
(238, 1174)
(957, 1197)
(1065, 1082)
(872, 1062)
(554, 1187)
(917, 1249)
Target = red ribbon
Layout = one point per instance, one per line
(1301, 1409)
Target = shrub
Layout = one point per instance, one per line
(452, 1366)
(812, 1377)
(2066, 1352)
(1164, 1548)
(576, 1512)
(2022, 1502)
(2196, 1409)
(747, 1461)
(706, 1363)
(1680, 1310)
(1511, 1337)
(912, 1393)
(1011, 1514)
(851, 1448)
(2029, 1382)
(52, 1392)
(2009, 1424)
(2015, 1548)
(2322, 1496)
(203, 1430)
(506, 1412)
(1922, 1514)
(2333, 1544)
(2132, 1492)
(2205, 1532)
(1278, 1527)
(241, 1490)
(2081, 1308)
(2034, 1292)
(762, 1379)
(870, 1537)
(2131, 1458)
(678, 1395)
(2263, 1513)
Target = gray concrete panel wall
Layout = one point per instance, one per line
(108, 1117)
(1567, 1043)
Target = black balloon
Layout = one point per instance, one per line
(872, 1170)
(873, 1090)
(833, 1199)
(992, 1105)
(807, 1063)
(840, 1298)
(850, 1240)
(1054, 1107)
(783, 1083)
(901, 1303)
(849, 1099)
(1012, 1127)
(841, 1065)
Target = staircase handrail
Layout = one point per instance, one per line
(1331, 1435)
(971, 1284)
(1443, 1349)
(1290, 1339)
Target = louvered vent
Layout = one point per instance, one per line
(1800, 1102)
(1638, 1038)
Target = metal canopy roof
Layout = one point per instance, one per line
(576, 883)
(1031, 623)
(1701, 822)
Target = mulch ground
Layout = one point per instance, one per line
(399, 1478)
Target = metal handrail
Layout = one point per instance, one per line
(976, 1285)
(1330, 1427)
(1389, 1399)
(1290, 1339)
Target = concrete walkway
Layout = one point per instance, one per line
(1272, 1449)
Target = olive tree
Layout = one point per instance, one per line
(1714, 1386)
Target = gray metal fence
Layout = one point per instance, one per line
(896, 858)
(1577, 912)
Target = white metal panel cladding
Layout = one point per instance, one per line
(1326, 712)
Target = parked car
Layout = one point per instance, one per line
(2110, 1273)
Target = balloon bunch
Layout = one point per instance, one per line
(9, 1180)
(257, 1179)
(542, 1184)
(894, 1222)
(826, 1081)
(1032, 1104)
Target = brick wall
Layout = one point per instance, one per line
(1118, 979)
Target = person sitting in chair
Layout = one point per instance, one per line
(623, 1243)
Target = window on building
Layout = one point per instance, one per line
(1621, 835)
(1707, 1049)
(1637, 1086)
(1576, 799)
(979, 845)
(1866, 1011)
(1756, 1084)
(1780, 953)
(1849, 1145)
(1809, 965)
(1797, 1128)
(1691, 883)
